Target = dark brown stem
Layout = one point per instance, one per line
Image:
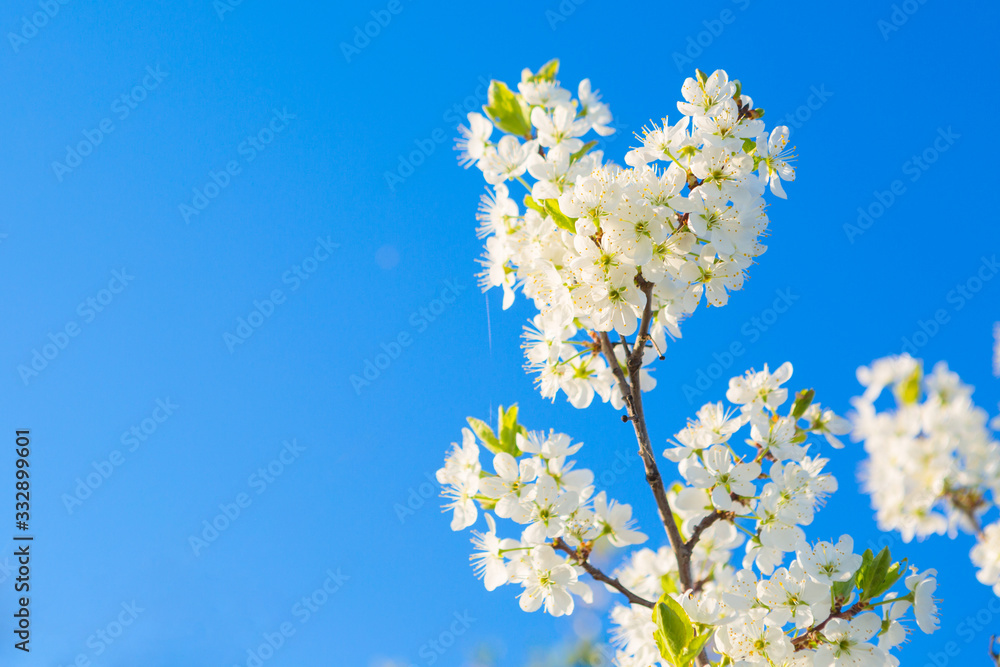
(581, 560)
(632, 395)
(804, 640)
(702, 526)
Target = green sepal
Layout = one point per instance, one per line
(506, 110)
(563, 222)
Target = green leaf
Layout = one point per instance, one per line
(909, 389)
(892, 575)
(583, 151)
(701, 76)
(695, 647)
(842, 589)
(506, 110)
(749, 146)
(508, 430)
(674, 627)
(668, 584)
(803, 400)
(547, 72)
(552, 208)
(485, 433)
(532, 204)
(874, 576)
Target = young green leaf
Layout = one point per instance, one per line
(485, 433)
(504, 108)
(674, 626)
(547, 72)
(803, 400)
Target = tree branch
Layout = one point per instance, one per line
(597, 574)
(702, 526)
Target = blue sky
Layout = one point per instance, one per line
(241, 236)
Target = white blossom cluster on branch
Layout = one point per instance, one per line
(788, 600)
(607, 253)
(594, 244)
(933, 463)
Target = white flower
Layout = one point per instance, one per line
(792, 597)
(475, 139)
(986, 556)
(829, 563)
(774, 160)
(510, 486)
(846, 643)
(753, 641)
(616, 522)
(546, 579)
(549, 510)
(507, 160)
(560, 128)
(763, 388)
(488, 561)
(925, 608)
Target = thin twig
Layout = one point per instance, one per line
(597, 574)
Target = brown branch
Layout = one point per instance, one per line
(812, 635)
(632, 395)
(702, 526)
(581, 560)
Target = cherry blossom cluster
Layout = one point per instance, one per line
(787, 601)
(595, 244)
(536, 485)
(933, 463)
